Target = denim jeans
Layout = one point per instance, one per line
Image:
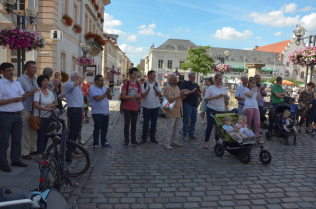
(112, 89)
(100, 122)
(189, 111)
(130, 118)
(312, 117)
(10, 125)
(75, 118)
(150, 114)
(210, 124)
(41, 142)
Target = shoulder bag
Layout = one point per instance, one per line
(33, 119)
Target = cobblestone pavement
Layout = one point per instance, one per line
(150, 176)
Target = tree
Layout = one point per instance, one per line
(264, 80)
(139, 71)
(199, 61)
(272, 80)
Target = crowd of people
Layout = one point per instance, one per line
(30, 96)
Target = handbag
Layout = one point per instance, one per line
(33, 119)
(119, 97)
(167, 105)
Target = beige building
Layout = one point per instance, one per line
(61, 55)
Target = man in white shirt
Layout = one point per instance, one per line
(151, 92)
(239, 94)
(11, 105)
(75, 106)
(295, 92)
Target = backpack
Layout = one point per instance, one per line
(145, 86)
(127, 87)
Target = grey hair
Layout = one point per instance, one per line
(256, 76)
(170, 75)
(191, 73)
(72, 74)
(243, 77)
(48, 71)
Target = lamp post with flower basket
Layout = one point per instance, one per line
(21, 22)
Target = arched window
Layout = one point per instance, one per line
(302, 75)
(294, 75)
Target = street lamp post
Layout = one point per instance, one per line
(30, 14)
(226, 54)
(85, 48)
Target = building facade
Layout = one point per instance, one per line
(168, 57)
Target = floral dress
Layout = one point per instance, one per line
(305, 98)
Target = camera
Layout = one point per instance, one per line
(258, 85)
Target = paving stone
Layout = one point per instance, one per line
(177, 199)
(190, 205)
(173, 205)
(155, 206)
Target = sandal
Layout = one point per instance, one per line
(27, 157)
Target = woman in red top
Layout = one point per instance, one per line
(85, 87)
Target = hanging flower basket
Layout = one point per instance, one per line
(113, 72)
(123, 75)
(303, 57)
(99, 15)
(166, 75)
(96, 6)
(102, 48)
(64, 77)
(222, 68)
(84, 61)
(90, 35)
(102, 20)
(68, 20)
(77, 28)
(22, 40)
(118, 73)
(93, 2)
(100, 40)
(177, 73)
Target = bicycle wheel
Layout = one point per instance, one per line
(76, 166)
(49, 174)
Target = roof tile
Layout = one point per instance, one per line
(277, 47)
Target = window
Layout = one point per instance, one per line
(160, 77)
(65, 6)
(294, 75)
(93, 29)
(20, 6)
(287, 64)
(295, 66)
(75, 14)
(90, 26)
(302, 75)
(63, 62)
(169, 64)
(180, 64)
(73, 63)
(86, 24)
(160, 63)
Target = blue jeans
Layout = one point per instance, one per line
(75, 119)
(189, 111)
(312, 117)
(210, 124)
(112, 88)
(100, 122)
(41, 142)
(10, 125)
(147, 115)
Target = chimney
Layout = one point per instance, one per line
(256, 48)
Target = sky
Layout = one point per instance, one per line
(226, 23)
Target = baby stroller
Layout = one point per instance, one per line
(236, 147)
(277, 129)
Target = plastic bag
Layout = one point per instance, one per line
(167, 105)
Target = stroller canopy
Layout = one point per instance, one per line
(279, 108)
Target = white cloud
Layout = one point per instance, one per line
(274, 19)
(258, 38)
(278, 33)
(177, 29)
(188, 30)
(115, 31)
(132, 38)
(229, 33)
(163, 35)
(307, 8)
(147, 31)
(308, 22)
(110, 22)
(289, 8)
(250, 49)
(130, 49)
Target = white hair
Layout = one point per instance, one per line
(72, 74)
(243, 77)
(191, 73)
(170, 75)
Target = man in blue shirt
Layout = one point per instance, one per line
(190, 105)
(100, 97)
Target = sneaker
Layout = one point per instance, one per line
(177, 144)
(107, 145)
(135, 144)
(167, 146)
(95, 148)
(125, 145)
(193, 137)
(185, 139)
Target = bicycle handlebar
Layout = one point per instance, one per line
(31, 203)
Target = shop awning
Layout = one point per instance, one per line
(268, 70)
(241, 68)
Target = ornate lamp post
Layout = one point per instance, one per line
(287, 74)
(85, 48)
(226, 54)
(30, 14)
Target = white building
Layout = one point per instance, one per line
(168, 57)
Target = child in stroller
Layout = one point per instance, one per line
(233, 131)
(287, 122)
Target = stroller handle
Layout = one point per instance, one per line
(31, 203)
(221, 112)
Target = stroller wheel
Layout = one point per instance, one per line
(219, 150)
(268, 135)
(244, 156)
(265, 157)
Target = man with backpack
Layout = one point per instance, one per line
(151, 92)
(131, 93)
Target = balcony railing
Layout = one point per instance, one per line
(95, 47)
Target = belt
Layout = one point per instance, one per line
(241, 104)
(77, 108)
(13, 113)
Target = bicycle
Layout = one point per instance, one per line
(53, 165)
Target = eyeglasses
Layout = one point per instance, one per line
(9, 70)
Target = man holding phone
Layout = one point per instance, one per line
(190, 105)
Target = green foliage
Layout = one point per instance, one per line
(139, 71)
(199, 61)
(296, 82)
(272, 80)
(264, 80)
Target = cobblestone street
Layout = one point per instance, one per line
(150, 176)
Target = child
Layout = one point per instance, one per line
(294, 107)
(286, 121)
(231, 130)
(242, 127)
